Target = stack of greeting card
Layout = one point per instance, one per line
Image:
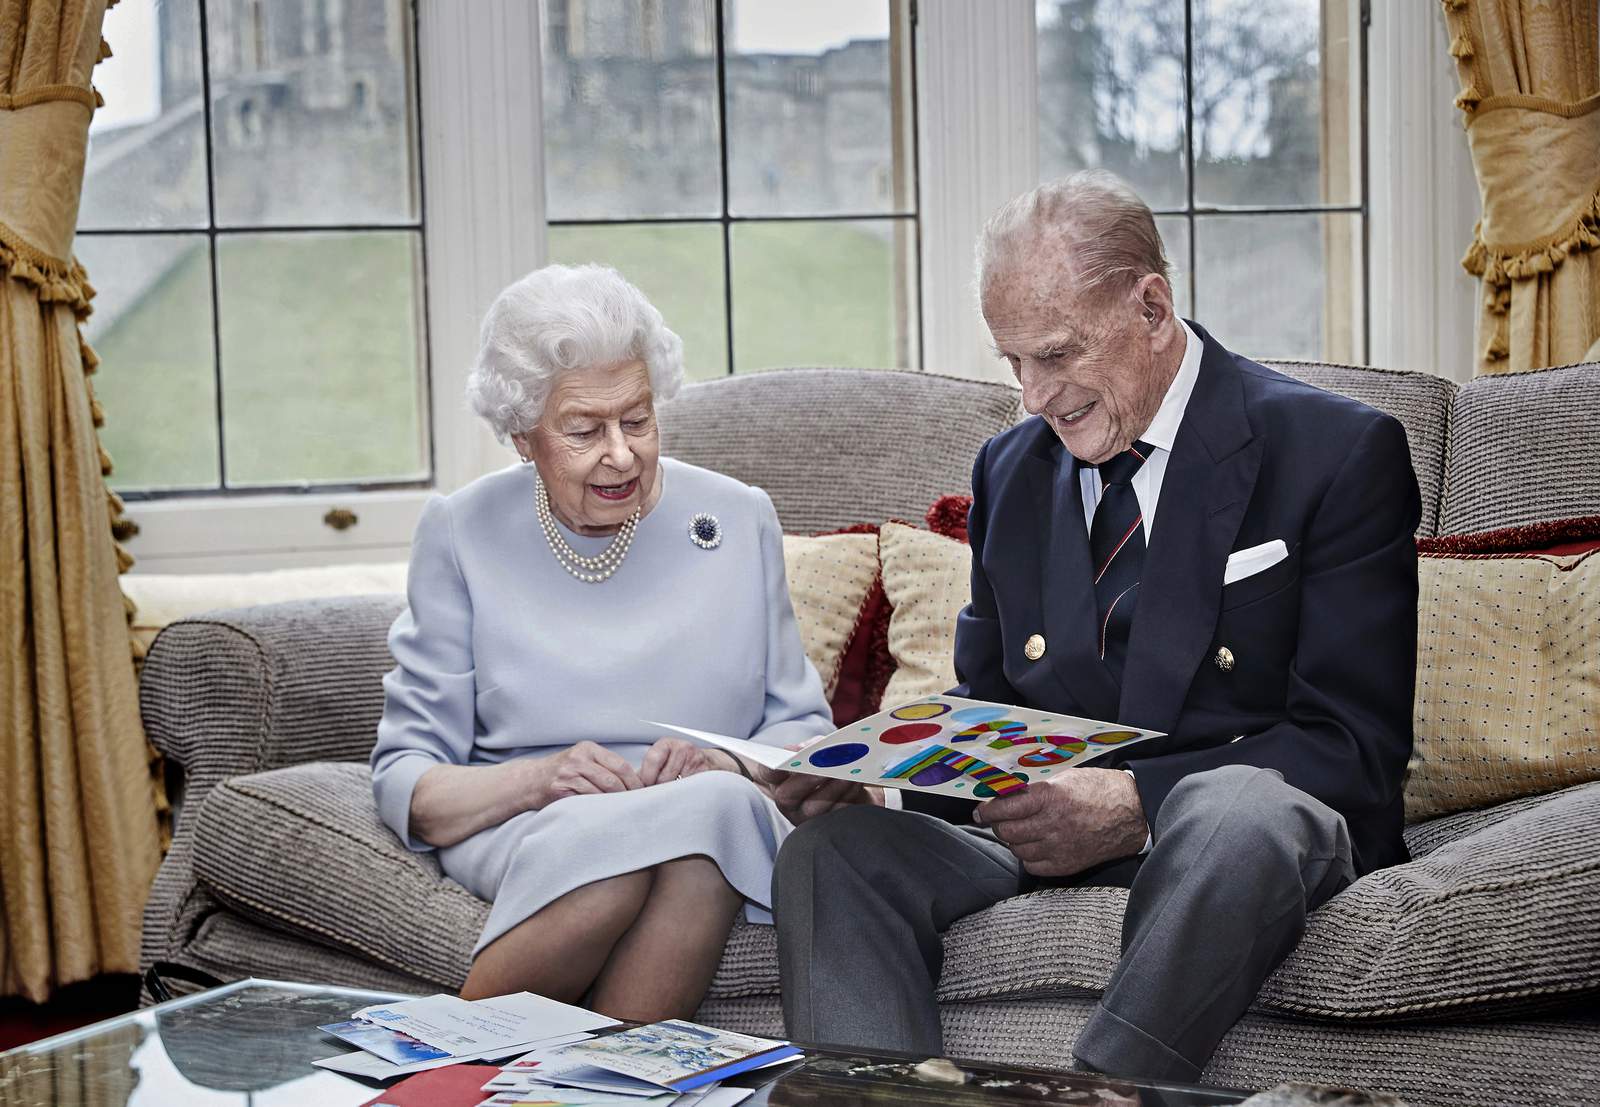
(548, 1052)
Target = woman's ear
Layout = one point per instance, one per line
(524, 448)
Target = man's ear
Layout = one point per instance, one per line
(1154, 296)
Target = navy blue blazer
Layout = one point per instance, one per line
(1324, 642)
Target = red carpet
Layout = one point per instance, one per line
(73, 1006)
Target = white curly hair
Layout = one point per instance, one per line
(559, 318)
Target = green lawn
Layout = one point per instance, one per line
(320, 341)
(155, 381)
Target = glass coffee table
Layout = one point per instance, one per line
(253, 1041)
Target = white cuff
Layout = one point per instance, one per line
(893, 800)
(1149, 839)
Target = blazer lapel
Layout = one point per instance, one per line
(1066, 588)
(1204, 493)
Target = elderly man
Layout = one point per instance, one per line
(1179, 539)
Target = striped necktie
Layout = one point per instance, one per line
(1116, 550)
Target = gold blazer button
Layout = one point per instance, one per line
(1224, 659)
(1033, 650)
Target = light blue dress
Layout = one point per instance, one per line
(502, 653)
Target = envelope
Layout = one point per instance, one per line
(1249, 562)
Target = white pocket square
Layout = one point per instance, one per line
(1247, 563)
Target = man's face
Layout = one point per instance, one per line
(1086, 363)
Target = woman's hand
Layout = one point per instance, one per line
(801, 796)
(584, 769)
(671, 758)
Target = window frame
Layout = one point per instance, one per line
(976, 67)
(215, 232)
(902, 37)
(481, 107)
(1192, 211)
(482, 227)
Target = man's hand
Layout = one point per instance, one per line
(670, 758)
(1074, 822)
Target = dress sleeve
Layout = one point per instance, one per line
(796, 707)
(428, 697)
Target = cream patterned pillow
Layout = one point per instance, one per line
(1508, 680)
(829, 578)
(927, 578)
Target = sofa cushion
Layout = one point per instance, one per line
(301, 849)
(1496, 920)
(1508, 679)
(232, 692)
(1524, 448)
(1492, 917)
(1419, 400)
(830, 578)
(834, 447)
(927, 578)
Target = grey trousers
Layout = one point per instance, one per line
(862, 896)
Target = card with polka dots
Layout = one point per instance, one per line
(946, 745)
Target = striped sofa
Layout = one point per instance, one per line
(1467, 976)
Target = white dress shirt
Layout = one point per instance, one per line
(1163, 430)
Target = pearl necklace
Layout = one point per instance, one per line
(590, 570)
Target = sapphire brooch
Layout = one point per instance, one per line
(705, 531)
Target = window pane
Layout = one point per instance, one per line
(678, 266)
(321, 356)
(1111, 92)
(1275, 121)
(630, 109)
(147, 152)
(1310, 307)
(312, 112)
(834, 293)
(815, 107)
(152, 329)
(1174, 231)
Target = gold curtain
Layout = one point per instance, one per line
(1530, 74)
(78, 834)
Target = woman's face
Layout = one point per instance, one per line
(596, 446)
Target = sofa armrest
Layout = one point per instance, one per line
(256, 688)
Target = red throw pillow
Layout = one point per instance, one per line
(866, 666)
(948, 516)
(1556, 536)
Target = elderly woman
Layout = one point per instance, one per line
(554, 608)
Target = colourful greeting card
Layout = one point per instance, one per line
(950, 746)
